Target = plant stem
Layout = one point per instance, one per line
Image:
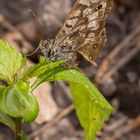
(18, 133)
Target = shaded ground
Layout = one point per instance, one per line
(117, 74)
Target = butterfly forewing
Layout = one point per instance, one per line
(83, 30)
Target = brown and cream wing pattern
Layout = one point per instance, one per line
(84, 28)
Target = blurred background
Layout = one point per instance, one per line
(117, 75)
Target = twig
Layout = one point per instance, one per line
(62, 114)
(130, 126)
(11, 28)
(110, 60)
(116, 125)
(123, 61)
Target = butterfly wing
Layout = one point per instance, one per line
(84, 28)
(93, 46)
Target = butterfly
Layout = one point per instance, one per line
(83, 32)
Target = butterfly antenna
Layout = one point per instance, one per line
(39, 25)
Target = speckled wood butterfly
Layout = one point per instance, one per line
(83, 32)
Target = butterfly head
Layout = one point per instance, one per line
(46, 47)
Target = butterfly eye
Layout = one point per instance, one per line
(99, 6)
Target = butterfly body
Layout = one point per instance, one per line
(57, 53)
(83, 32)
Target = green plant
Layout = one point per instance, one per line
(18, 105)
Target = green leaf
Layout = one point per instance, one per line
(5, 119)
(41, 67)
(90, 111)
(43, 70)
(91, 107)
(10, 62)
(46, 75)
(17, 101)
